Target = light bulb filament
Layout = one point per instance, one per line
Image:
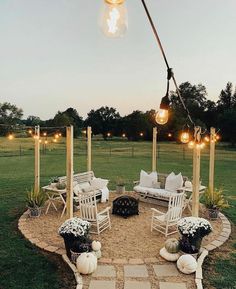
(112, 21)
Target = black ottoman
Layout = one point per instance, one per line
(125, 206)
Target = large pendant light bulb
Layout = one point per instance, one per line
(114, 20)
(185, 137)
(162, 116)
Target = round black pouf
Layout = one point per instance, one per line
(125, 206)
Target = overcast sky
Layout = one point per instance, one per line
(54, 56)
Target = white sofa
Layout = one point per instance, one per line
(153, 194)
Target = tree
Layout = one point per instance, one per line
(33, 120)
(135, 124)
(227, 98)
(103, 120)
(227, 124)
(10, 114)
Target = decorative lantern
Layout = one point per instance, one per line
(162, 116)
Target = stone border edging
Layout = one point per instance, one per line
(219, 241)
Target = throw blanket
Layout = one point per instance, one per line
(105, 194)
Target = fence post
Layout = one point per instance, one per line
(37, 160)
(69, 172)
(212, 161)
(154, 149)
(132, 151)
(89, 148)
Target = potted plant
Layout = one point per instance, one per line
(75, 233)
(53, 182)
(120, 186)
(192, 231)
(214, 202)
(35, 201)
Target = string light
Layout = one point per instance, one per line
(60, 134)
(44, 134)
(141, 134)
(206, 138)
(10, 136)
(56, 136)
(123, 135)
(46, 142)
(30, 131)
(169, 134)
(54, 140)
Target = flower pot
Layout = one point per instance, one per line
(190, 245)
(74, 256)
(69, 240)
(120, 189)
(34, 212)
(213, 214)
(75, 244)
(195, 255)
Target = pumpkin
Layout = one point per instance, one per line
(188, 184)
(169, 256)
(187, 264)
(98, 254)
(172, 245)
(96, 246)
(86, 263)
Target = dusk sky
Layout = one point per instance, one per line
(54, 56)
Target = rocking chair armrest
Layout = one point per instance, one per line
(104, 211)
(157, 211)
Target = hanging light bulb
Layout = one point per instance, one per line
(191, 144)
(185, 137)
(10, 136)
(162, 116)
(114, 20)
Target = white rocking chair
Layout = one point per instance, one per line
(88, 212)
(162, 221)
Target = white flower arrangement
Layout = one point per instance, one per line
(75, 226)
(194, 227)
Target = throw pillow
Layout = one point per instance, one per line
(88, 190)
(98, 183)
(77, 190)
(173, 182)
(146, 180)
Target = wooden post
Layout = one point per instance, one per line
(69, 172)
(154, 149)
(212, 161)
(89, 148)
(37, 159)
(196, 171)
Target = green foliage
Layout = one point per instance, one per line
(215, 200)
(35, 199)
(60, 185)
(120, 182)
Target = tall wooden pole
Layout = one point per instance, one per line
(69, 172)
(37, 159)
(196, 171)
(212, 161)
(89, 148)
(154, 150)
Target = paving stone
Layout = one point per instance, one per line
(165, 270)
(42, 245)
(51, 248)
(60, 251)
(224, 234)
(136, 261)
(210, 247)
(137, 284)
(221, 238)
(227, 230)
(151, 260)
(120, 261)
(105, 260)
(105, 271)
(216, 243)
(135, 271)
(172, 285)
(34, 240)
(99, 284)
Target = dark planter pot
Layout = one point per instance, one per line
(73, 243)
(34, 212)
(213, 214)
(190, 245)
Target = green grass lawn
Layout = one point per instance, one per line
(25, 267)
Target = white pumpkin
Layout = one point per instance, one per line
(188, 184)
(169, 256)
(86, 263)
(98, 254)
(96, 246)
(187, 264)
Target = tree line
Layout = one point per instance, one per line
(137, 125)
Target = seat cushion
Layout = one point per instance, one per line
(159, 192)
(140, 189)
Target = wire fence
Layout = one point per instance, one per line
(114, 149)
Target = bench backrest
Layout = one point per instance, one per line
(80, 178)
(162, 179)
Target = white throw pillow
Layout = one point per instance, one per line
(174, 182)
(84, 186)
(98, 183)
(147, 180)
(77, 190)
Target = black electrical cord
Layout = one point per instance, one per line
(170, 73)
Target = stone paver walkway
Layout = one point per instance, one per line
(145, 276)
